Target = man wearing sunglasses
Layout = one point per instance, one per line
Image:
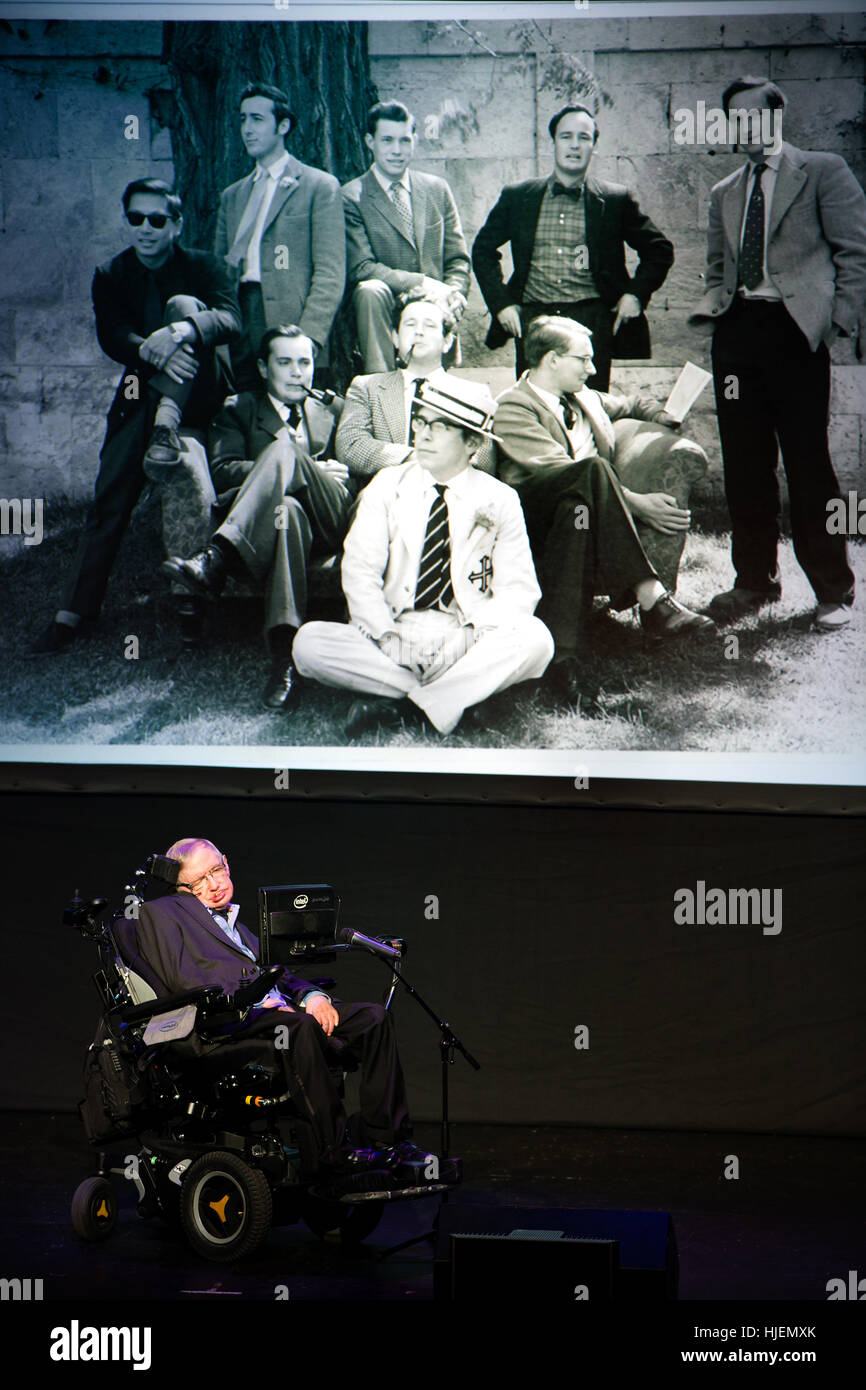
(161, 311)
(194, 938)
(438, 577)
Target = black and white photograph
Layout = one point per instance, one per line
(433, 723)
(416, 532)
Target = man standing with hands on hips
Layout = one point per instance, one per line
(568, 235)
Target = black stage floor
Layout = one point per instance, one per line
(793, 1220)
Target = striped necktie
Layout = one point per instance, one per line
(433, 588)
(400, 199)
(752, 252)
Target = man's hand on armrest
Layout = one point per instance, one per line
(659, 510)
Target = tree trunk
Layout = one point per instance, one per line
(324, 70)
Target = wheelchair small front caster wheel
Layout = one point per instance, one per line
(94, 1209)
(225, 1206)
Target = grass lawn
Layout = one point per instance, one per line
(780, 688)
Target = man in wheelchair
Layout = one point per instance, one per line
(193, 938)
(229, 1077)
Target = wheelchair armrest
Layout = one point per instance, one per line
(256, 989)
(151, 1007)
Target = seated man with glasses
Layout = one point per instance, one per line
(194, 938)
(438, 578)
(161, 310)
(558, 448)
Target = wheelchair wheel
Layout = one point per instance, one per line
(343, 1221)
(225, 1206)
(94, 1209)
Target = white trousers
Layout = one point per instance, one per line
(340, 654)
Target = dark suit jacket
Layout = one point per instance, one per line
(378, 248)
(127, 313)
(613, 220)
(184, 948)
(247, 424)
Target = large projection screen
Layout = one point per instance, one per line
(92, 102)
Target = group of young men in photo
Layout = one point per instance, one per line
(457, 515)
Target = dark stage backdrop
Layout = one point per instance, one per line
(525, 925)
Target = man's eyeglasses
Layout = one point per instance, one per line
(157, 220)
(219, 871)
(577, 357)
(437, 428)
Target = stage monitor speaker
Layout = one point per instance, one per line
(531, 1254)
(297, 921)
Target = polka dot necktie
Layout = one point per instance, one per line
(752, 252)
(433, 588)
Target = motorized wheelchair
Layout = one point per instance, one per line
(211, 1143)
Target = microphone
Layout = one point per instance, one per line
(356, 938)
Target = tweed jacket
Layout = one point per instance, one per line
(306, 218)
(377, 245)
(816, 243)
(373, 428)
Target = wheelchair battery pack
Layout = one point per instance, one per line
(297, 921)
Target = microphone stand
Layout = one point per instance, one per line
(448, 1044)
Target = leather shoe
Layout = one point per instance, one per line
(570, 685)
(204, 575)
(669, 618)
(279, 692)
(829, 617)
(56, 637)
(375, 712)
(353, 1170)
(411, 1165)
(736, 603)
(163, 453)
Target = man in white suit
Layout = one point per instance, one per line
(282, 230)
(438, 576)
(402, 233)
(374, 428)
(786, 273)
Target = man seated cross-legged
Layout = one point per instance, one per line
(438, 577)
(287, 499)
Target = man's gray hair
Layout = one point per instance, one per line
(185, 849)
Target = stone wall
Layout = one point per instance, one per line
(483, 122)
(482, 98)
